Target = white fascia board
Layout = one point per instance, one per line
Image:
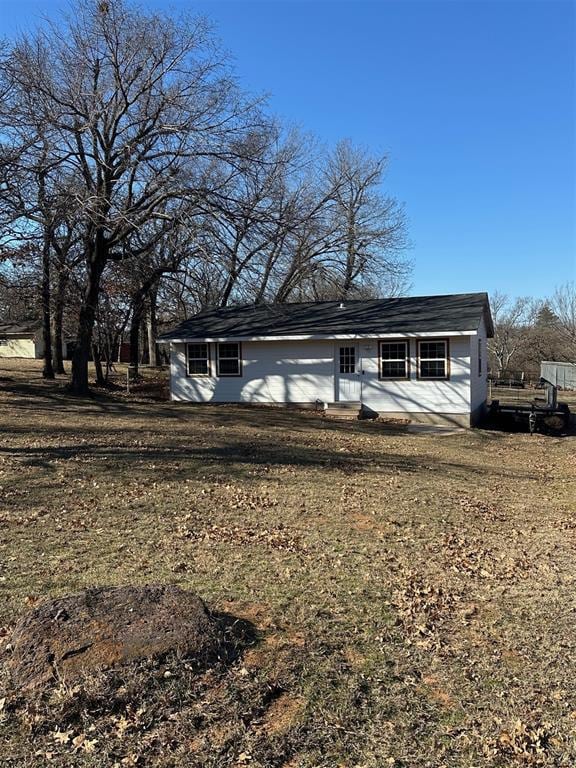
(313, 337)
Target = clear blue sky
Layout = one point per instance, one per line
(473, 100)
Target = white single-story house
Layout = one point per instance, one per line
(422, 358)
(21, 339)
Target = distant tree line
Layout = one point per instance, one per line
(529, 330)
(139, 184)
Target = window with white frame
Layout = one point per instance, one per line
(229, 359)
(393, 359)
(433, 359)
(198, 359)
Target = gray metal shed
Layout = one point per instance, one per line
(560, 374)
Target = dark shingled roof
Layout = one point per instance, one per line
(19, 327)
(410, 314)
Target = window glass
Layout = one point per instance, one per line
(432, 369)
(432, 350)
(433, 363)
(347, 359)
(227, 350)
(229, 359)
(198, 360)
(394, 360)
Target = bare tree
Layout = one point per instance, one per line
(371, 225)
(512, 322)
(18, 284)
(545, 334)
(138, 106)
(30, 210)
(244, 229)
(299, 224)
(143, 303)
(349, 239)
(563, 304)
(133, 154)
(67, 256)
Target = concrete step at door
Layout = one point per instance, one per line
(345, 410)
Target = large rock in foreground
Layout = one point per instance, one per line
(104, 627)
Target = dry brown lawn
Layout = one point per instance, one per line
(410, 599)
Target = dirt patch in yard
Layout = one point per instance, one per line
(105, 627)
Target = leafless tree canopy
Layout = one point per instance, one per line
(137, 179)
(563, 305)
(529, 330)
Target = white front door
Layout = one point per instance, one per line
(347, 377)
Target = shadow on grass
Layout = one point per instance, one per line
(227, 453)
(239, 458)
(237, 635)
(55, 399)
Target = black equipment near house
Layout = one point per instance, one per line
(542, 414)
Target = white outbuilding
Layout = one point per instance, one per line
(422, 358)
(21, 338)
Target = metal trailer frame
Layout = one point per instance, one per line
(550, 417)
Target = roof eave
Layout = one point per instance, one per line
(317, 337)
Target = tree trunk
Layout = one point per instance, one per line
(137, 312)
(57, 352)
(138, 307)
(79, 382)
(225, 296)
(48, 370)
(152, 327)
(270, 263)
(111, 345)
(100, 380)
(351, 256)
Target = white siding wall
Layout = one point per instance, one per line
(272, 372)
(303, 371)
(479, 383)
(414, 396)
(19, 348)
